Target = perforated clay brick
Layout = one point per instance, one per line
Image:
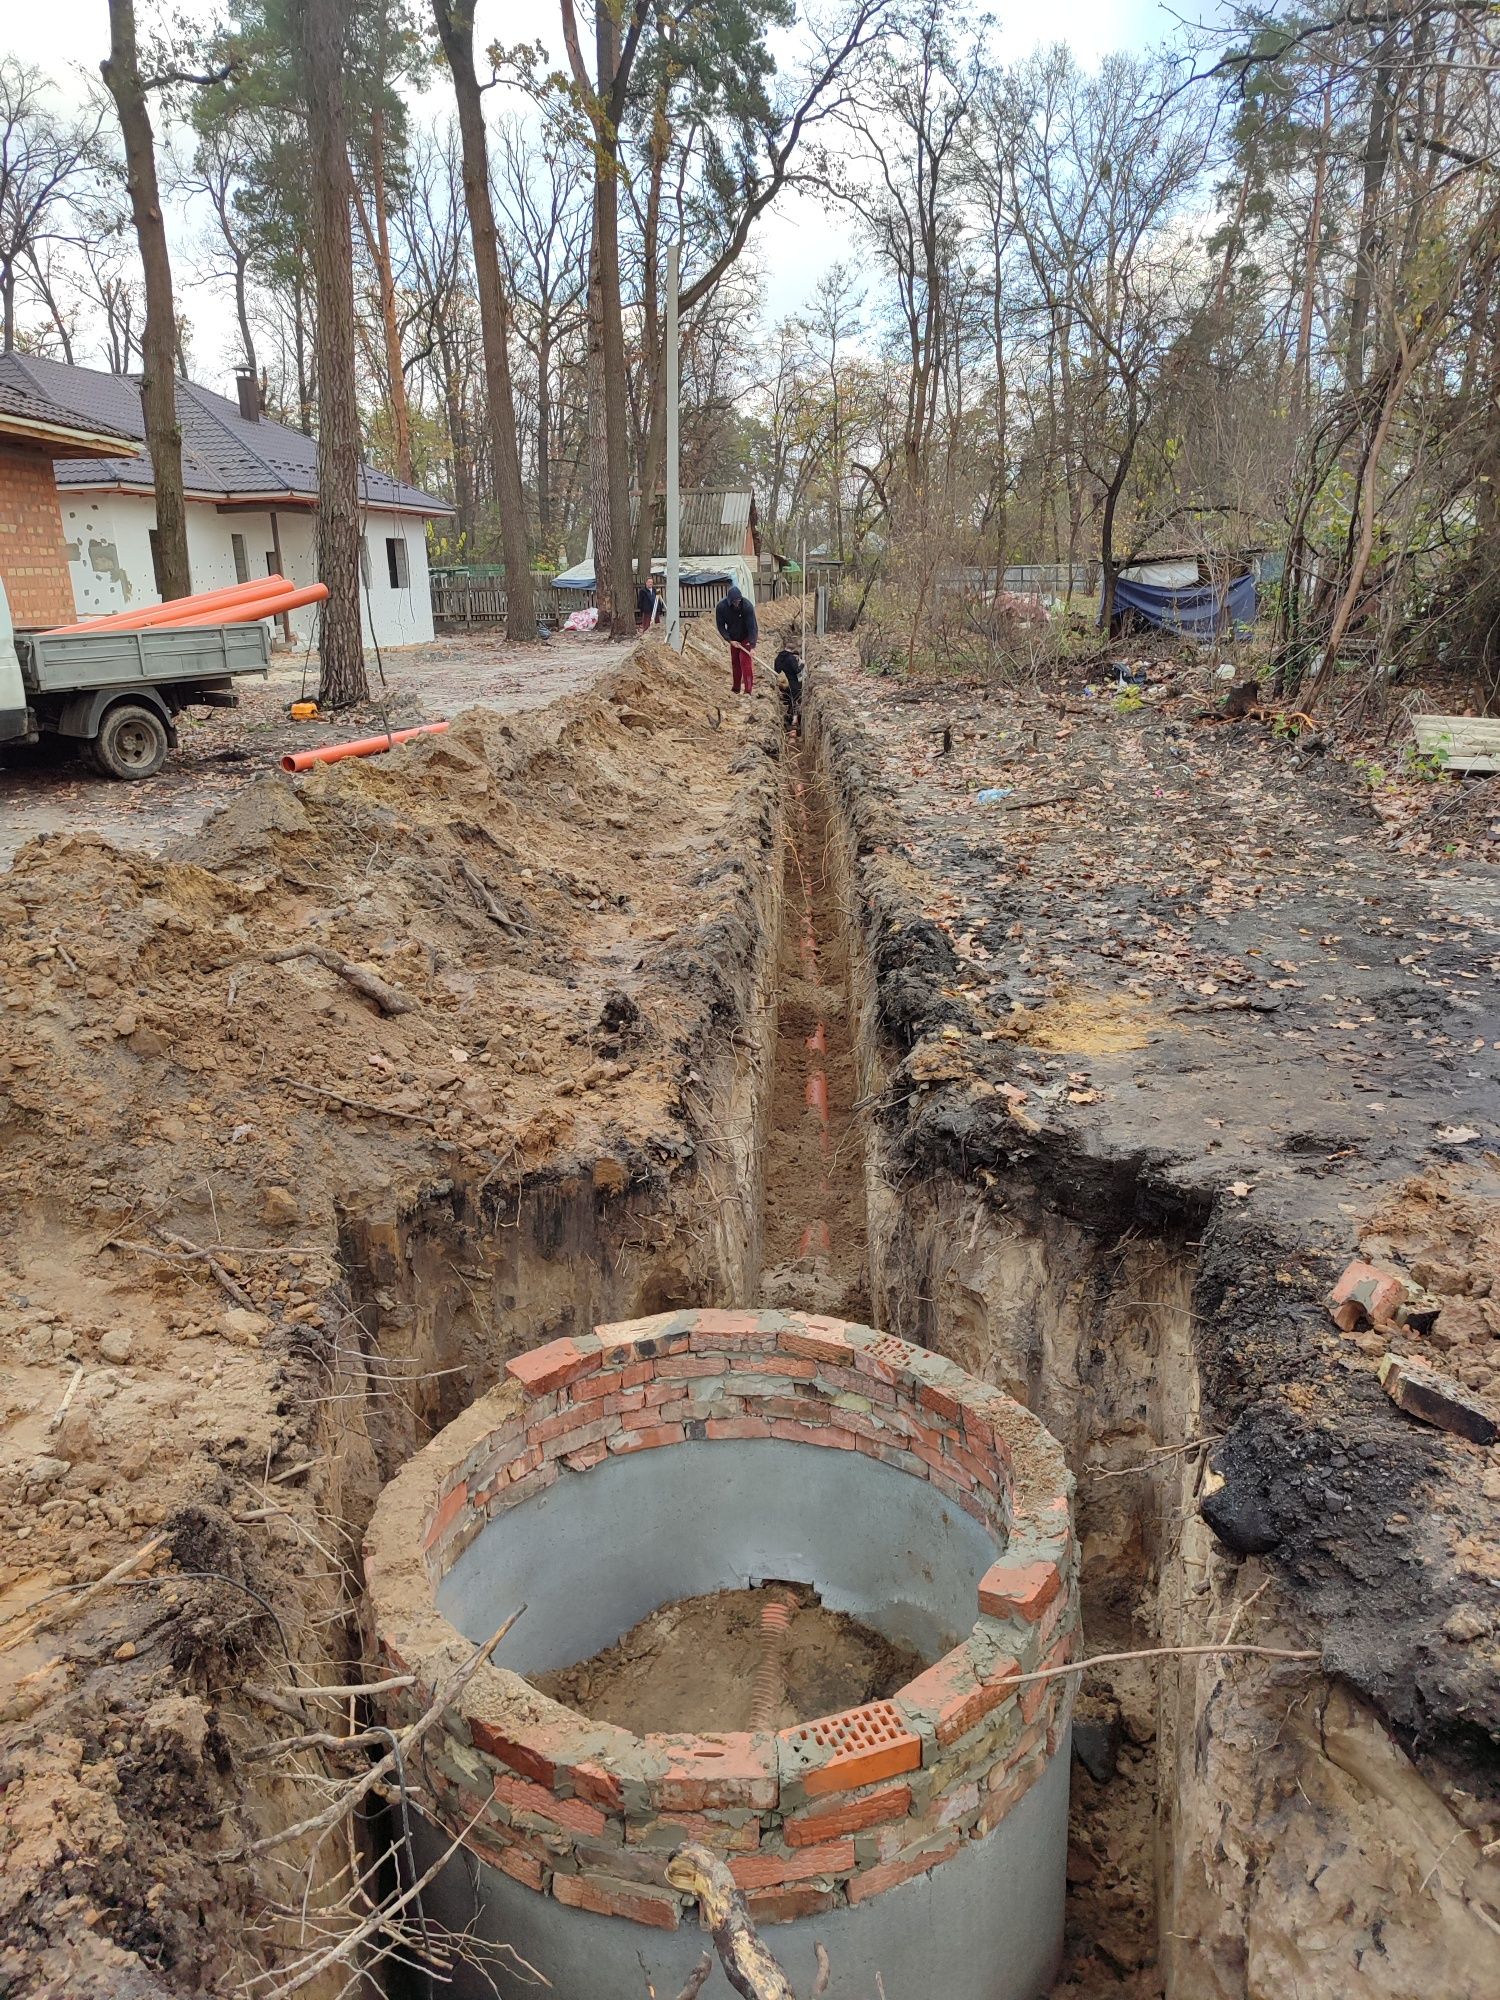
(855, 1748)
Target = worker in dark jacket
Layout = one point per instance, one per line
(735, 618)
(648, 606)
(788, 668)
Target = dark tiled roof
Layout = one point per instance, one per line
(21, 401)
(222, 454)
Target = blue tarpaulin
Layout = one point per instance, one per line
(1202, 608)
(582, 577)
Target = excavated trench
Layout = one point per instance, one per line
(1228, 1827)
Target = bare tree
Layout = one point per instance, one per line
(44, 161)
(342, 679)
(455, 27)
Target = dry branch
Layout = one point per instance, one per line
(363, 978)
(485, 898)
(748, 1966)
(353, 1103)
(342, 1806)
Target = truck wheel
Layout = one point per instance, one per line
(132, 742)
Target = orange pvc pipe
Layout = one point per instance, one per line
(364, 746)
(155, 614)
(247, 611)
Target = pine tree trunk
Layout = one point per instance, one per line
(122, 77)
(342, 680)
(612, 329)
(455, 26)
(599, 514)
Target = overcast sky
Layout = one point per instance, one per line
(793, 244)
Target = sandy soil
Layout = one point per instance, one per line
(192, 1092)
(221, 752)
(690, 1666)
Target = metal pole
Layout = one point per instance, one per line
(806, 636)
(674, 522)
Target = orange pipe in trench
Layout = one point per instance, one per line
(156, 614)
(364, 746)
(246, 612)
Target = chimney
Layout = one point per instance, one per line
(249, 395)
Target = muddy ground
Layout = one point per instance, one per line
(1196, 1019)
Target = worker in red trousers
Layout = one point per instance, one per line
(735, 618)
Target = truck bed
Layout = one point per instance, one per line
(67, 662)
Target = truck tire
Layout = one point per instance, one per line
(132, 742)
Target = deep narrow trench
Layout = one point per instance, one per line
(816, 1256)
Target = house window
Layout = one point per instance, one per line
(364, 561)
(241, 559)
(395, 559)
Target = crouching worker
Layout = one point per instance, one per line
(735, 618)
(789, 670)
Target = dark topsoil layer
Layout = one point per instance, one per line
(1259, 1014)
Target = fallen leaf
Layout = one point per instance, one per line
(1457, 1135)
(1241, 1188)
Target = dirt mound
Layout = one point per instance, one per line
(690, 1665)
(487, 956)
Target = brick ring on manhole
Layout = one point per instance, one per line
(922, 1836)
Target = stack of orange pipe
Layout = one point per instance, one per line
(235, 604)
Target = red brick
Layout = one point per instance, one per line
(710, 1321)
(817, 1340)
(610, 1898)
(1023, 1589)
(954, 1696)
(939, 1400)
(708, 1771)
(887, 1874)
(775, 1871)
(536, 1757)
(859, 1747)
(784, 1906)
(1036, 1692)
(686, 1367)
(513, 1861)
(448, 1510)
(593, 1782)
(553, 1366)
(580, 1461)
(519, 1795)
(1366, 1292)
(647, 1440)
(812, 1433)
(848, 1816)
(738, 1427)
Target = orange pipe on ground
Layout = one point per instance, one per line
(248, 612)
(364, 746)
(816, 1093)
(815, 1240)
(156, 614)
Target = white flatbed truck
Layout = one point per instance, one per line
(116, 693)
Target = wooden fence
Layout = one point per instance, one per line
(460, 603)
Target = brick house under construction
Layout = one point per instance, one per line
(33, 553)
